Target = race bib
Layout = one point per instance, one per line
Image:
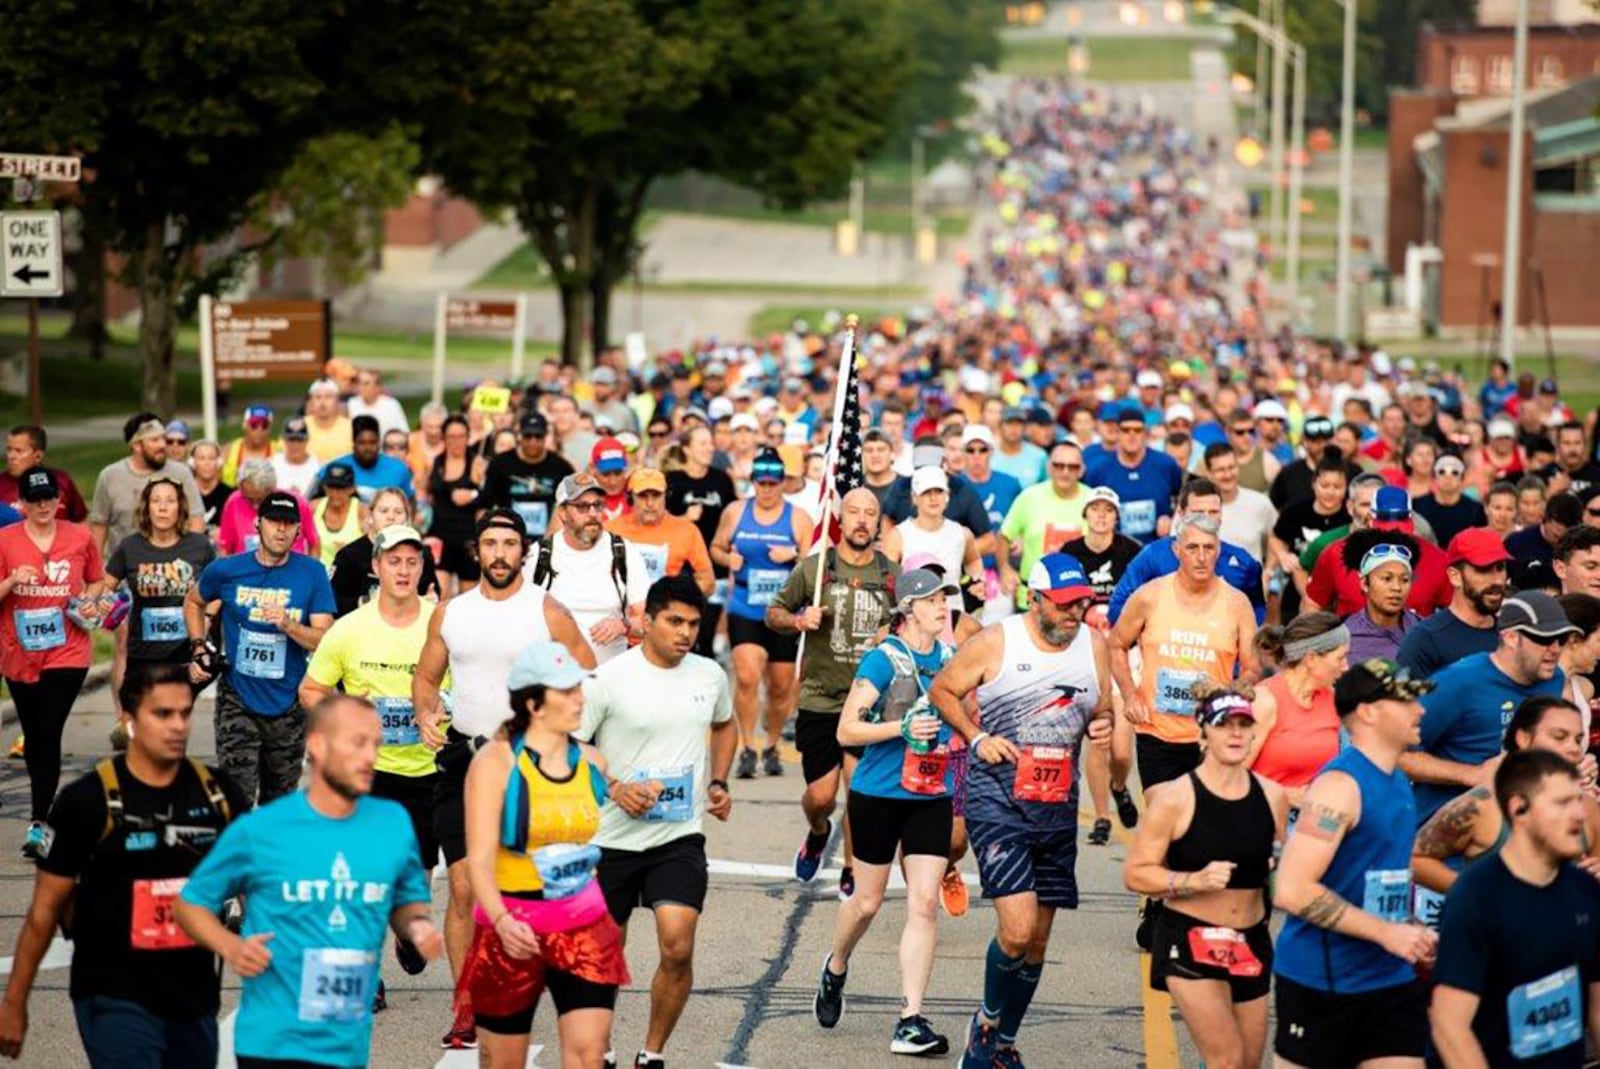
(1174, 691)
(1545, 1015)
(336, 984)
(1388, 895)
(655, 560)
(535, 515)
(719, 592)
(162, 623)
(675, 804)
(1044, 774)
(154, 923)
(1224, 948)
(565, 868)
(40, 629)
(1428, 906)
(399, 726)
(764, 585)
(924, 773)
(263, 654)
(1138, 518)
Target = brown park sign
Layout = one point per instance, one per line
(269, 340)
(467, 314)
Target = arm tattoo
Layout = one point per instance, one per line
(1324, 910)
(1324, 822)
(1450, 830)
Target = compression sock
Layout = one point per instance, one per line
(999, 979)
(1023, 984)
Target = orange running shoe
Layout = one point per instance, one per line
(953, 892)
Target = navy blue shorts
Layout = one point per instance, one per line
(1015, 857)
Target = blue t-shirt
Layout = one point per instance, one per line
(265, 665)
(1464, 719)
(878, 772)
(386, 471)
(9, 516)
(1146, 491)
(324, 888)
(1235, 565)
(1027, 467)
(1493, 398)
(1443, 639)
(996, 496)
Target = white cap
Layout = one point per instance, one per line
(719, 408)
(743, 421)
(1179, 410)
(977, 432)
(1270, 409)
(972, 379)
(1105, 494)
(1150, 379)
(1502, 428)
(929, 478)
(1382, 366)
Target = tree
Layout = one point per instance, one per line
(944, 40)
(568, 110)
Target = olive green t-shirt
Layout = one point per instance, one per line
(856, 603)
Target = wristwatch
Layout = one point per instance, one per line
(718, 783)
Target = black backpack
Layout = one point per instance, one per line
(544, 570)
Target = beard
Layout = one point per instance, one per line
(1058, 634)
(498, 581)
(1487, 600)
(1177, 438)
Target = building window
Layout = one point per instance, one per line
(1500, 75)
(1464, 75)
(1548, 73)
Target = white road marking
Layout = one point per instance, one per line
(468, 1059)
(760, 871)
(58, 956)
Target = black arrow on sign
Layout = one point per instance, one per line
(27, 273)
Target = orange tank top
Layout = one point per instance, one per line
(1179, 647)
(1302, 740)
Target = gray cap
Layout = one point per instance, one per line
(1013, 414)
(603, 376)
(1533, 612)
(920, 583)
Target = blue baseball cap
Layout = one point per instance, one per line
(1131, 412)
(1059, 577)
(1391, 505)
(1108, 412)
(545, 664)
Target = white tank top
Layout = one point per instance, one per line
(483, 637)
(948, 545)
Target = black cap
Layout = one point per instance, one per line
(1374, 680)
(500, 517)
(295, 430)
(533, 425)
(338, 476)
(280, 505)
(1533, 612)
(38, 484)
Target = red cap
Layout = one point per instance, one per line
(1479, 547)
(608, 455)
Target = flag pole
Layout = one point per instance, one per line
(845, 381)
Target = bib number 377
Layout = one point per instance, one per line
(1044, 774)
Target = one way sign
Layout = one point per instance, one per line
(30, 254)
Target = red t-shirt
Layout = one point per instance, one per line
(46, 638)
(71, 506)
(1338, 589)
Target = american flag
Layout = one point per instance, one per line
(845, 437)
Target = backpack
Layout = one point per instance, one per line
(544, 569)
(106, 769)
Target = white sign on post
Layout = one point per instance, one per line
(45, 168)
(30, 254)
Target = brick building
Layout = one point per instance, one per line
(1475, 61)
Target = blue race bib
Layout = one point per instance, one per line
(655, 560)
(1174, 691)
(263, 654)
(399, 727)
(565, 868)
(1429, 907)
(336, 984)
(675, 804)
(1545, 1015)
(1388, 895)
(764, 585)
(535, 515)
(40, 629)
(1138, 518)
(162, 623)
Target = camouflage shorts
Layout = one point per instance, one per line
(262, 753)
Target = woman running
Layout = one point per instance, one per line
(1297, 727)
(1205, 847)
(50, 573)
(533, 800)
(159, 562)
(453, 488)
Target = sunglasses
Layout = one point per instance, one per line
(659, 434)
(1058, 465)
(177, 441)
(1546, 640)
(1243, 430)
(976, 449)
(586, 506)
(1450, 469)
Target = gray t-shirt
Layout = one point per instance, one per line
(116, 497)
(159, 579)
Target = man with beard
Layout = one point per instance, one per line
(598, 576)
(116, 491)
(1042, 682)
(477, 636)
(1574, 470)
(524, 479)
(276, 606)
(1464, 719)
(1476, 566)
(309, 991)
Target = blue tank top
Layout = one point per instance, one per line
(760, 578)
(1372, 870)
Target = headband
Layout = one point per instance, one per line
(1328, 640)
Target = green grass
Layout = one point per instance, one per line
(776, 318)
(1579, 376)
(1111, 59)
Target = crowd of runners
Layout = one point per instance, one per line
(1318, 625)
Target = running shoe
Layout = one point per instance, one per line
(953, 892)
(847, 883)
(1007, 1058)
(37, 844)
(979, 1050)
(649, 1061)
(747, 764)
(409, 957)
(611, 1059)
(809, 859)
(463, 1034)
(1127, 812)
(770, 764)
(828, 1006)
(1101, 834)
(380, 1001)
(914, 1035)
(18, 750)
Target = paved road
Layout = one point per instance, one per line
(761, 943)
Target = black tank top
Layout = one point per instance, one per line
(1239, 831)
